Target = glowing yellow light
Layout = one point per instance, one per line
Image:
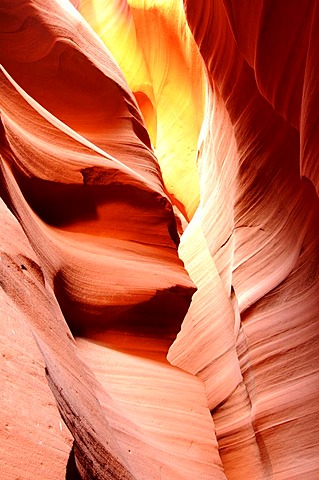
(156, 52)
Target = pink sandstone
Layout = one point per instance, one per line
(159, 240)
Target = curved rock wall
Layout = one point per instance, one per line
(161, 170)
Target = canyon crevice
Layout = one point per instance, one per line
(159, 240)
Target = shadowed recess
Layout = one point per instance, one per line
(161, 315)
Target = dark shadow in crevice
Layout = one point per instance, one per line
(72, 472)
(62, 205)
(160, 316)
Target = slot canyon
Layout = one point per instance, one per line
(159, 235)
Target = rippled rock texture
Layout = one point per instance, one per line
(159, 239)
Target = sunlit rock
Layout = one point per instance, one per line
(159, 266)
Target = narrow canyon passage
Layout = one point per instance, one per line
(159, 412)
(159, 240)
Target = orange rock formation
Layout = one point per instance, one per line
(159, 240)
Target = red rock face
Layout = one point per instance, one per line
(159, 240)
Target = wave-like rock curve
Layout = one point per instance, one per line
(159, 184)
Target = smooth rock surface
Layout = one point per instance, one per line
(159, 265)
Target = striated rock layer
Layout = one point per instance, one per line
(258, 220)
(117, 361)
(87, 190)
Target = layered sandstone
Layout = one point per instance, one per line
(159, 265)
